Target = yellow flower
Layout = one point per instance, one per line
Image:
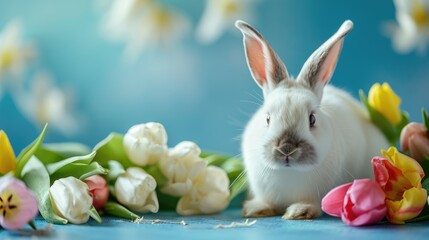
(386, 102)
(400, 178)
(7, 156)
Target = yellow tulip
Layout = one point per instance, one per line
(383, 99)
(400, 178)
(7, 156)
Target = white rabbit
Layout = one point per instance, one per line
(307, 137)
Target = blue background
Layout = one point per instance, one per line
(202, 93)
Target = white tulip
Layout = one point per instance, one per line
(136, 190)
(181, 168)
(210, 194)
(146, 144)
(71, 200)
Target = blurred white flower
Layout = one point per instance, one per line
(135, 189)
(14, 53)
(220, 15)
(181, 168)
(144, 24)
(412, 30)
(146, 144)
(71, 200)
(46, 103)
(210, 194)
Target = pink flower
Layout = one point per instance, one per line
(18, 205)
(358, 203)
(414, 139)
(98, 191)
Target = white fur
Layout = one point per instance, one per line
(343, 138)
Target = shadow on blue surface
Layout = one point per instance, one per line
(203, 227)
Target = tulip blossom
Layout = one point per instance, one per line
(411, 32)
(383, 99)
(98, 190)
(414, 139)
(400, 178)
(358, 203)
(18, 205)
(7, 157)
(210, 193)
(219, 15)
(135, 189)
(14, 52)
(181, 168)
(45, 102)
(71, 200)
(143, 25)
(146, 144)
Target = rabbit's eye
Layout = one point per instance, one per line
(267, 118)
(312, 119)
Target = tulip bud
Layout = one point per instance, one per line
(358, 203)
(415, 140)
(146, 144)
(71, 200)
(383, 99)
(136, 190)
(98, 190)
(209, 194)
(183, 165)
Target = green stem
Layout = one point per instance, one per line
(94, 214)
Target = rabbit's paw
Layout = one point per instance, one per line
(299, 211)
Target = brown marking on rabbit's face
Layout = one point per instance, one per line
(289, 150)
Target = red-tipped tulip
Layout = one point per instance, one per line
(98, 190)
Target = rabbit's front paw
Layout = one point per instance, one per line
(299, 211)
(257, 208)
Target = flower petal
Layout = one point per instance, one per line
(7, 156)
(409, 167)
(409, 207)
(419, 147)
(370, 217)
(332, 203)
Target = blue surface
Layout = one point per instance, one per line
(201, 227)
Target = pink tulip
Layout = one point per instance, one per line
(414, 139)
(98, 190)
(18, 205)
(358, 203)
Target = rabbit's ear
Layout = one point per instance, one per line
(318, 69)
(265, 66)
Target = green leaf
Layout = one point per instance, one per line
(425, 184)
(54, 152)
(36, 177)
(239, 185)
(166, 202)
(94, 215)
(426, 120)
(117, 210)
(214, 159)
(111, 148)
(389, 131)
(86, 159)
(79, 170)
(115, 169)
(26, 154)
